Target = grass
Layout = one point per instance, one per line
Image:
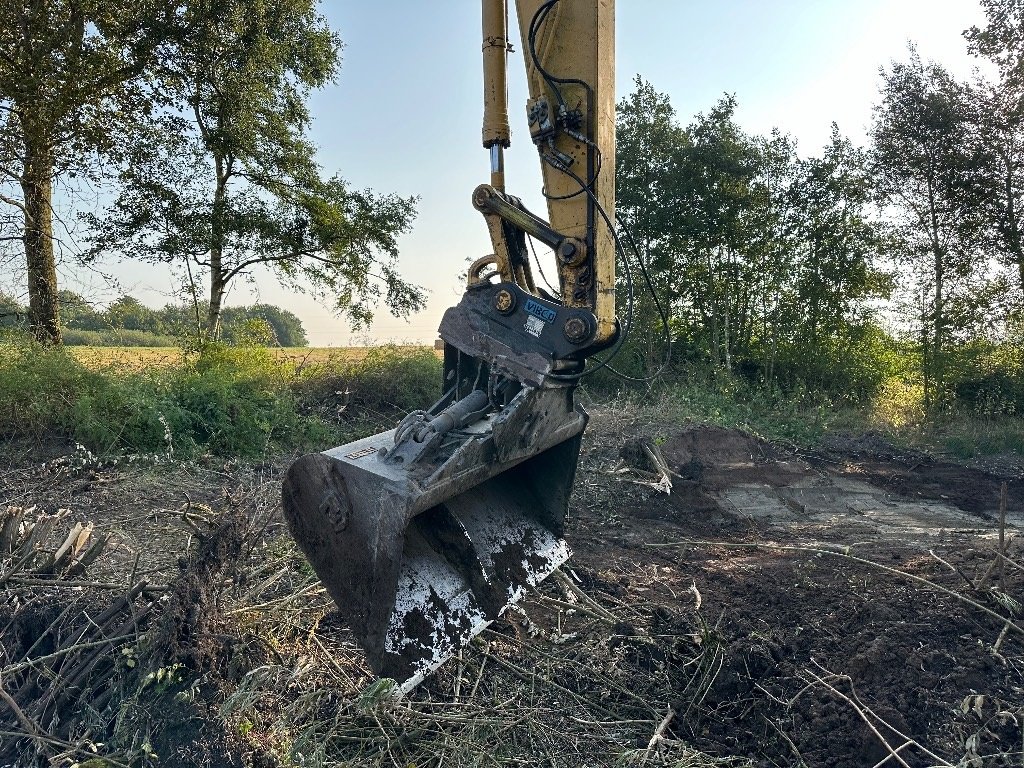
(227, 401)
(803, 417)
(253, 400)
(796, 416)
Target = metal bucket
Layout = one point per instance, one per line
(419, 560)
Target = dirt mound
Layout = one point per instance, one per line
(716, 457)
(710, 445)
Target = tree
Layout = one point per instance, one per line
(78, 313)
(714, 200)
(926, 163)
(70, 70)
(288, 330)
(235, 187)
(12, 312)
(130, 314)
(649, 141)
(1000, 115)
(282, 327)
(832, 195)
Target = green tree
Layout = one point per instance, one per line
(833, 196)
(1000, 115)
(78, 313)
(12, 312)
(287, 327)
(234, 188)
(70, 71)
(130, 314)
(764, 258)
(282, 328)
(926, 160)
(649, 142)
(714, 201)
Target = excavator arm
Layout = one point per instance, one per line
(568, 48)
(425, 534)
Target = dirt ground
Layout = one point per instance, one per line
(842, 606)
(824, 576)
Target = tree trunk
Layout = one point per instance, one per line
(926, 363)
(36, 186)
(1013, 234)
(939, 321)
(217, 234)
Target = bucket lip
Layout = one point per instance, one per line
(422, 673)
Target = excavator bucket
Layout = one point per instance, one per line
(421, 555)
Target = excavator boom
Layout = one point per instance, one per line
(425, 534)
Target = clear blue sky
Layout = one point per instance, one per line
(404, 115)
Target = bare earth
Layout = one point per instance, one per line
(834, 607)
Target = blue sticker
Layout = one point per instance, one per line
(535, 308)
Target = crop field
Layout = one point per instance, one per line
(139, 358)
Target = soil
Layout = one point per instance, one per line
(828, 607)
(823, 659)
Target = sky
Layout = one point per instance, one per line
(404, 114)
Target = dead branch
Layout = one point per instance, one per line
(659, 734)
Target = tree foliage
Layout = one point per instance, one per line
(226, 184)
(71, 72)
(765, 259)
(263, 324)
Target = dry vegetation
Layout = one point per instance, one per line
(685, 632)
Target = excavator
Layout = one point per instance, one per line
(425, 534)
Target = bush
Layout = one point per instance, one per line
(388, 381)
(988, 378)
(227, 401)
(899, 404)
(233, 401)
(116, 338)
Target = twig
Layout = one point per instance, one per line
(31, 663)
(28, 581)
(1003, 494)
(862, 709)
(17, 566)
(1002, 636)
(953, 568)
(480, 674)
(785, 736)
(32, 729)
(458, 675)
(575, 607)
(659, 734)
(863, 716)
(566, 582)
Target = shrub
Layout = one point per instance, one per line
(233, 401)
(228, 401)
(387, 382)
(116, 338)
(899, 404)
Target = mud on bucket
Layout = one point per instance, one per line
(418, 566)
